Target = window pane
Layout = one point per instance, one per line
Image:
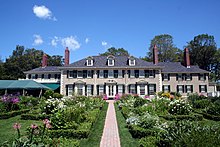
(142, 89)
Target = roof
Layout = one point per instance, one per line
(119, 61)
(21, 84)
(177, 67)
(44, 69)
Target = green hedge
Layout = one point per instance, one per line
(69, 133)
(194, 117)
(12, 113)
(211, 117)
(33, 116)
(139, 132)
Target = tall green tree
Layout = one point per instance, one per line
(167, 51)
(202, 51)
(115, 52)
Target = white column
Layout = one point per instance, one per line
(61, 83)
(160, 81)
(83, 93)
(76, 90)
(138, 89)
(114, 89)
(95, 83)
(146, 92)
(106, 88)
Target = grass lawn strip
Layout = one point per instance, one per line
(95, 136)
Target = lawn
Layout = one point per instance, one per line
(94, 138)
(7, 132)
(125, 136)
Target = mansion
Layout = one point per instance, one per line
(111, 75)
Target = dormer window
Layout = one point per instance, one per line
(131, 61)
(89, 61)
(111, 60)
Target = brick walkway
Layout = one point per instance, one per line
(110, 136)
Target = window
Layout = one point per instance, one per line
(180, 88)
(29, 76)
(80, 74)
(141, 74)
(110, 61)
(70, 90)
(90, 74)
(166, 88)
(55, 76)
(120, 89)
(202, 77)
(136, 72)
(74, 74)
(132, 89)
(42, 76)
(58, 76)
(151, 89)
(131, 73)
(151, 73)
(120, 74)
(132, 62)
(166, 77)
(89, 90)
(105, 73)
(179, 77)
(89, 62)
(101, 74)
(110, 73)
(188, 77)
(101, 89)
(71, 74)
(36, 76)
(115, 73)
(202, 88)
(84, 73)
(189, 88)
(80, 89)
(142, 89)
(49, 76)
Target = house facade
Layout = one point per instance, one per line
(111, 75)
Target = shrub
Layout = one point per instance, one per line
(195, 117)
(201, 104)
(179, 107)
(214, 109)
(48, 94)
(139, 102)
(69, 133)
(64, 142)
(57, 95)
(149, 141)
(12, 113)
(34, 116)
(148, 121)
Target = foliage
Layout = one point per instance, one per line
(202, 51)
(167, 50)
(201, 104)
(9, 103)
(49, 94)
(214, 109)
(7, 115)
(149, 141)
(115, 52)
(179, 107)
(57, 95)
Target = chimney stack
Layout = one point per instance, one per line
(155, 55)
(67, 56)
(44, 60)
(186, 58)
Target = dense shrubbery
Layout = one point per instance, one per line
(176, 124)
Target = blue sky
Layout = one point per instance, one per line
(89, 27)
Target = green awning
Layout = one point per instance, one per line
(53, 86)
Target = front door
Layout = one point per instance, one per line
(111, 90)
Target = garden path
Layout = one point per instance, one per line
(110, 136)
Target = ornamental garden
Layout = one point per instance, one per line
(168, 119)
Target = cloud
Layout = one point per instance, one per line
(70, 42)
(43, 12)
(87, 40)
(37, 39)
(55, 41)
(104, 43)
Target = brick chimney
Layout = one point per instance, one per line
(155, 55)
(186, 57)
(67, 56)
(44, 60)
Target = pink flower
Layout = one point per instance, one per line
(17, 126)
(33, 126)
(46, 121)
(48, 126)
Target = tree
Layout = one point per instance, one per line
(202, 51)
(55, 60)
(115, 52)
(167, 52)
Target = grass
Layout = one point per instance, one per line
(7, 133)
(94, 138)
(125, 136)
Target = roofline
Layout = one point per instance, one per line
(29, 72)
(187, 72)
(113, 67)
